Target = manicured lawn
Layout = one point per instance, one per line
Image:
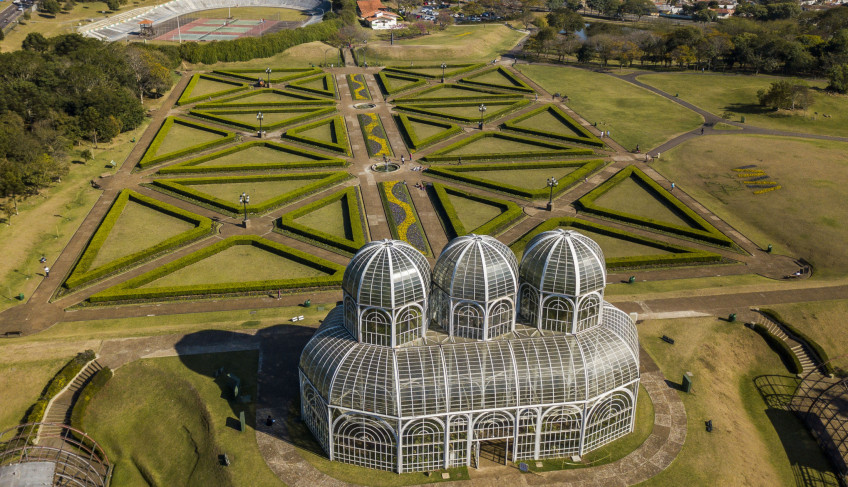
(751, 443)
(268, 97)
(322, 132)
(254, 13)
(496, 145)
(459, 44)
(523, 178)
(631, 197)
(631, 114)
(181, 136)
(249, 117)
(547, 121)
(447, 93)
(803, 219)
(138, 228)
(424, 130)
(255, 155)
(259, 191)
(207, 86)
(330, 219)
(493, 77)
(738, 94)
(472, 213)
(823, 321)
(164, 421)
(23, 383)
(616, 247)
(300, 56)
(237, 263)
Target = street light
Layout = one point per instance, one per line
(244, 199)
(443, 71)
(552, 183)
(268, 76)
(260, 116)
(482, 111)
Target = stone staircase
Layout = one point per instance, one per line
(805, 357)
(59, 410)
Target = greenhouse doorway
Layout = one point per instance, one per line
(491, 453)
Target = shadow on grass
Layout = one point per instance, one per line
(809, 465)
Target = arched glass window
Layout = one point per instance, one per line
(589, 311)
(423, 445)
(376, 327)
(468, 321)
(609, 419)
(364, 441)
(408, 325)
(529, 304)
(500, 318)
(558, 314)
(560, 435)
(494, 425)
(350, 316)
(315, 414)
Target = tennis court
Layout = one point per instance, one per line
(219, 30)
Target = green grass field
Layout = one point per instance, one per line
(631, 197)
(259, 191)
(255, 13)
(631, 114)
(616, 247)
(472, 213)
(523, 178)
(823, 321)
(207, 87)
(23, 382)
(725, 359)
(496, 145)
(176, 405)
(235, 264)
(331, 218)
(801, 219)
(254, 155)
(181, 136)
(138, 228)
(459, 44)
(738, 94)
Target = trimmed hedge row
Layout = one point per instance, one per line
(706, 232)
(814, 345)
(186, 98)
(411, 138)
(183, 187)
(308, 114)
(150, 156)
(97, 381)
(518, 85)
(787, 356)
(255, 74)
(57, 383)
(415, 82)
(455, 173)
(354, 215)
(191, 166)
(679, 255)
(232, 102)
(82, 272)
(586, 136)
(554, 149)
(510, 212)
(477, 94)
(427, 109)
(129, 290)
(459, 69)
(339, 133)
(329, 85)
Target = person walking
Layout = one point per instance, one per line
(702, 130)
(46, 272)
(402, 160)
(672, 186)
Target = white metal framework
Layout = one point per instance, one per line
(427, 401)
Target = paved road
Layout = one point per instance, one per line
(10, 12)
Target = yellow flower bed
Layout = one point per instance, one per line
(409, 219)
(369, 129)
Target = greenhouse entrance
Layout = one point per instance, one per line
(491, 453)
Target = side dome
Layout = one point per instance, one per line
(563, 262)
(475, 282)
(385, 288)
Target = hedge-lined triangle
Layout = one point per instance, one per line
(329, 134)
(335, 220)
(463, 212)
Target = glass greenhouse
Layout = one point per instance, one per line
(415, 373)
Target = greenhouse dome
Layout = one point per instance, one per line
(475, 282)
(434, 402)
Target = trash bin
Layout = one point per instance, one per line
(20, 296)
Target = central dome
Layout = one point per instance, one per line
(476, 267)
(564, 262)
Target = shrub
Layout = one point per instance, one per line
(193, 165)
(414, 82)
(787, 356)
(584, 137)
(677, 255)
(510, 212)
(450, 70)
(307, 114)
(554, 149)
(95, 384)
(584, 169)
(82, 272)
(287, 222)
(704, 232)
(802, 337)
(413, 141)
(186, 97)
(130, 290)
(232, 101)
(517, 84)
(477, 94)
(278, 75)
(328, 90)
(150, 158)
(340, 143)
(430, 109)
(57, 383)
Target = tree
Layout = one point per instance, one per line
(565, 19)
(786, 95)
(683, 55)
(637, 8)
(444, 18)
(351, 34)
(151, 75)
(86, 155)
(2, 35)
(704, 15)
(527, 18)
(113, 5)
(838, 77)
(51, 7)
(34, 41)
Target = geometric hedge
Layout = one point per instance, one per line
(499, 78)
(133, 290)
(541, 149)
(323, 85)
(676, 255)
(462, 110)
(314, 159)
(414, 140)
(581, 170)
(83, 273)
(228, 86)
(698, 229)
(452, 218)
(354, 223)
(555, 124)
(333, 138)
(152, 156)
(277, 74)
(433, 70)
(266, 97)
(450, 91)
(278, 117)
(393, 83)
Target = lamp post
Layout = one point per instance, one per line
(244, 199)
(268, 77)
(552, 183)
(482, 111)
(260, 116)
(443, 71)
